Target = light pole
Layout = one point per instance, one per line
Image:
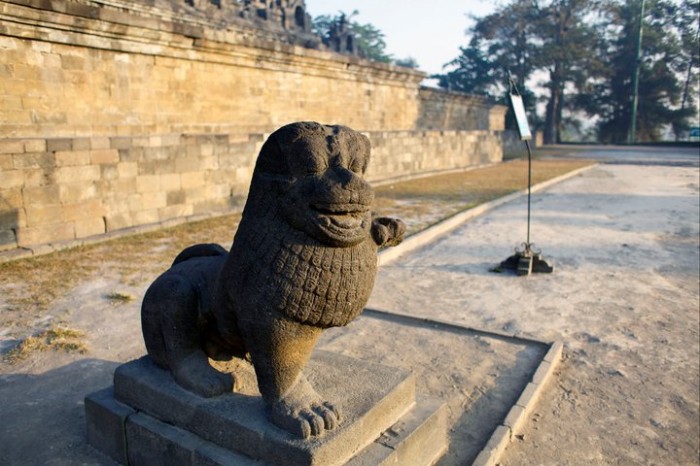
(632, 137)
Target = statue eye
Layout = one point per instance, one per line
(314, 166)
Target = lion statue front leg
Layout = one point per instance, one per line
(280, 348)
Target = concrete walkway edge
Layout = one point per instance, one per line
(519, 413)
(428, 235)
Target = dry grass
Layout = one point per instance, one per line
(30, 286)
(116, 297)
(55, 339)
(424, 201)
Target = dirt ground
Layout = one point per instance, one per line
(624, 298)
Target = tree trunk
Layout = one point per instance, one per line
(553, 114)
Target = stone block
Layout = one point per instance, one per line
(44, 214)
(9, 219)
(147, 183)
(34, 177)
(104, 156)
(175, 211)
(62, 144)
(109, 171)
(105, 419)
(8, 239)
(154, 200)
(100, 143)
(543, 371)
(192, 180)
(529, 396)
(554, 353)
(11, 178)
(11, 146)
(186, 165)
(11, 198)
(120, 143)
(515, 419)
(145, 217)
(176, 197)
(6, 162)
(373, 398)
(72, 158)
(75, 174)
(40, 195)
(83, 210)
(170, 182)
(89, 227)
(118, 221)
(81, 144)
(419, 437)
(127, 169)
(35, 145)
(43, 234)
(70, 193)
(33, 160)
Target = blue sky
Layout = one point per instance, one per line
(429, 31)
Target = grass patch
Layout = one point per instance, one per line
(116, 298)
(55, 339)
(424, 201)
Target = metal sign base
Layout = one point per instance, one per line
(525, 262)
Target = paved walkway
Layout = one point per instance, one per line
(624, 297)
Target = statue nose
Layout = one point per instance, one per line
(355, 189)
(349, 180)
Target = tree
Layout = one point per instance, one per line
(370, 40)
(688, 24)
(501, 45)
(662, 63)
(408, 62)
(568, 41)
(587, 48)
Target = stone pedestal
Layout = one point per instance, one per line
(147, 419)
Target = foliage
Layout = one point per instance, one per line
(370, 40)
(408, 62)
(587, 51)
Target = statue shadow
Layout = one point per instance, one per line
(44, 414)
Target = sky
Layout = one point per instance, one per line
(429, 31)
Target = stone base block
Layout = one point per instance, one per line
(164, 424)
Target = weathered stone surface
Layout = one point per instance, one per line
(128, 86)
(418, 438)
(303, 259)
(152, 442)
(105, 419)
(372, 397)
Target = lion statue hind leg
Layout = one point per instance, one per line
(170, 323)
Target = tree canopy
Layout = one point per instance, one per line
(583, 52)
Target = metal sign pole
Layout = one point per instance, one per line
(525, 261)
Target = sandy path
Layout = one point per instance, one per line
(624, 298)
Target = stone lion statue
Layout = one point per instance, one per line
(303, 259)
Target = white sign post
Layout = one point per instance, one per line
(526, 261)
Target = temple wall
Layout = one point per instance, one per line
(112, 118)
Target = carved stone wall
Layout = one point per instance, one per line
(115, 114)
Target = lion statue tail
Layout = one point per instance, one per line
(200, 250)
